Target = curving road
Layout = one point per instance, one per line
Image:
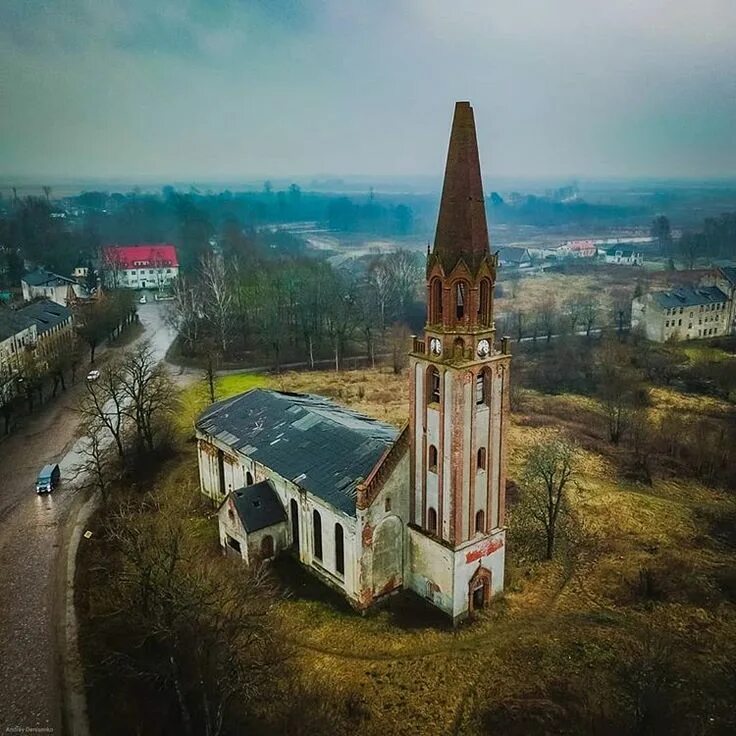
(33, 531)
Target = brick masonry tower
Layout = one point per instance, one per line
(459, 386)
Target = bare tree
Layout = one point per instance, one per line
(186, 312)
(549, 469)
(103, 405)
(147, 391)
(217, 299)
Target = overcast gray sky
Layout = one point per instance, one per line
(247, 88)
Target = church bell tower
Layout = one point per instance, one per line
(459, 389)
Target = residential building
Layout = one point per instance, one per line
(684, 313)
(148, 266)
(725, 279)
(626, 255)
(369, 509)
(53, 324)
(512, 257)
(43, 284)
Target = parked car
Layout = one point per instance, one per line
(93, 375)
(143, 299)
(48, 479)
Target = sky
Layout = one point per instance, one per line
(240, 89)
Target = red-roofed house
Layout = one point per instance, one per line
(149, 266)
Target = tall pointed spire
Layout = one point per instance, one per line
(462, 231)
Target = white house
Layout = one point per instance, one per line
(148, 266)
(47, 285)
(626, 255)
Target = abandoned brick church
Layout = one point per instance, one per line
(367, 508)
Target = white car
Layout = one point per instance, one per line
(142, 300)
(93, 375)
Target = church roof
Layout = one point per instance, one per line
(258, 506)
(320, 446)
(462, 230)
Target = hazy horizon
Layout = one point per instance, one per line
(196, 91)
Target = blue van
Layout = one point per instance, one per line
(48, 479)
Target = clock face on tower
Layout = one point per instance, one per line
(483, 348)
(435, 346)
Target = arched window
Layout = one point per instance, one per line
(339, 550)
(432, 459)
(458, 348)
(461, 299)
(387, 504)
(481, 458)
(432, 520)
(249, 478)
(433, 385)
(294, 507)
(435, 301)
(317, 534)
(484, 302)
(480, 522)
(267, 547)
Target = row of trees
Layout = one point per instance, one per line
(293, 308)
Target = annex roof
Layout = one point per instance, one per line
(46, 314)
(258, 506)
(729, 272)
(146, 254)
(42, 277)
(316, 444)
(689, 296)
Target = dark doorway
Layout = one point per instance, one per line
(267, 547)
(295, 524)
(479, 597)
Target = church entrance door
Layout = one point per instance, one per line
(479, 590)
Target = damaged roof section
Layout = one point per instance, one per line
(320, 446)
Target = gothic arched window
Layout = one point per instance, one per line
(267, 547)
(317, 534)
(339, 550)
(435, 301)
(249, 478)
(432, 519)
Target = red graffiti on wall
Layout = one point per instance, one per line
(486, 549)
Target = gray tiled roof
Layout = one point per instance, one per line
(46, 314)
(730, 273)
(688, 296)
(320, 446)
(258, 506)
(11, 323)
(42, 277)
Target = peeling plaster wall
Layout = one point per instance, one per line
(381, 571)
(278, 532)
(429, 570)
(232, 527)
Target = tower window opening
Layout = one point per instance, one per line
(433, 394)
(481, 388)
(435, 301)
(484, 303)
(432, 520)
(481, 458)
(432, 459)
(460, 299)
(480, 521)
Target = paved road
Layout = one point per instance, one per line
(32, 530)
